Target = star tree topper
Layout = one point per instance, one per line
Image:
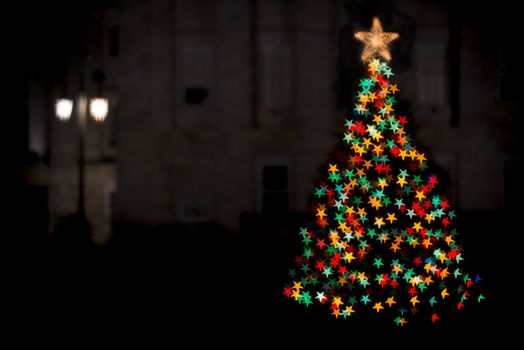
(376, 41)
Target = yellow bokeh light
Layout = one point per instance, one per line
(376, 41)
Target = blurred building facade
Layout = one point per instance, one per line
(225, 107)
(239, 111)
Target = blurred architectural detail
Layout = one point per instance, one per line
(91, 28)
(204, 149)
(222, 107)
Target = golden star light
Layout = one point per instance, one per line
(376, 41)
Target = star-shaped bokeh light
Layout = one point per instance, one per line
(376, 41)
(383, 243)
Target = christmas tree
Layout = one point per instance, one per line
(384, 240)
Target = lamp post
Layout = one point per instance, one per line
(97, 108)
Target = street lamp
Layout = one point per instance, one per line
(63, 108)
(98, 110)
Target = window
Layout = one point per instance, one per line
(194, 197)
(273, 187)
(431, 73)
(276, 78)
(195, 208)
(109, 127)
(513, 192)
(509, 79)
(38, 136)
(275, 201)
(447, 166)
(197, 74)
(114, 40)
